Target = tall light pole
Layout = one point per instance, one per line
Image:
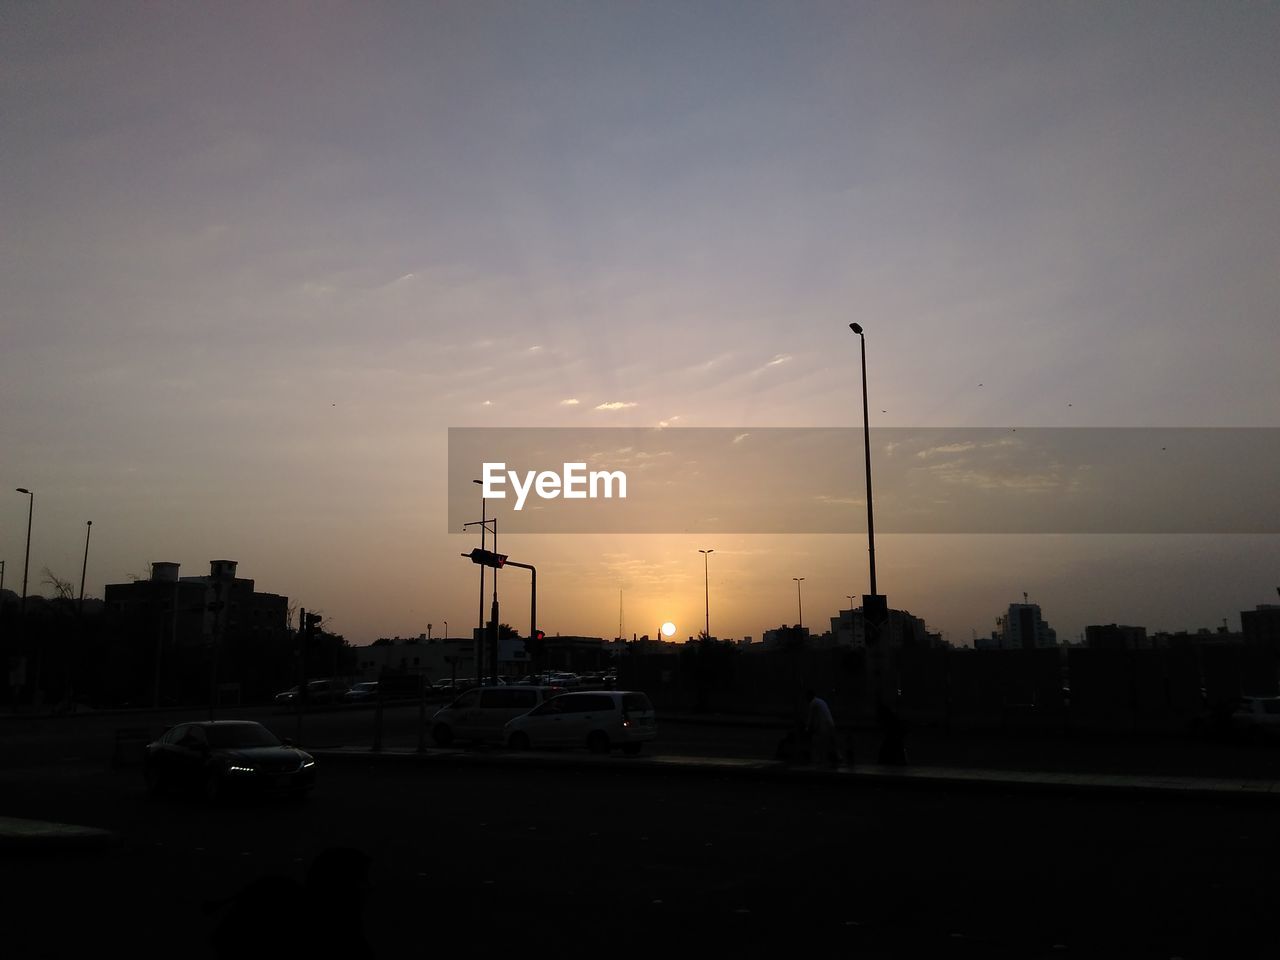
(799, 601)
(31, 506)
(866, 445)
(706, 581)
(88, 527)
(26, 562)
(446, 629)
(875, 608)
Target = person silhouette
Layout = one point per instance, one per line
(821, 728)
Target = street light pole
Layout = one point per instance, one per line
(706, 580)
(866, 445)
(88, 528)
(875, 608)
(26, 563)
(31, 506)
(799, 601)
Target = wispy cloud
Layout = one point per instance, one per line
(961, 447)
(741, 437)
(571, 402)
(777, 361)
(615, 405)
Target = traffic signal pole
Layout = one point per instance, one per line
(533, 594)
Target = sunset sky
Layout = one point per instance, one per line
(258, 258)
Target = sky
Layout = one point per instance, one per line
(257, 259)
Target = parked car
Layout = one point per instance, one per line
(599, 720)
(480, 714)
(1257, 718)
(225, 757)
(363, 692)
(287, 698)
(318, 692)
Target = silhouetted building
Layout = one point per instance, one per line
(1022, 628)
(1116, 637)
(196, 609)
(785, 636)
(1261, 626)
(903, 629)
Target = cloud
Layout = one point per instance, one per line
(571, 402)
(740, 437)
(777, 361)
(487, 403)
(615, 405)
(961, 447)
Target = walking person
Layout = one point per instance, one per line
(821, 728)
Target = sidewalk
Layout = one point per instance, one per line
(16, 834)
(860, 774)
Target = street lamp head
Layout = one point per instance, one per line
(856, 328)
(24, 490)
(481, 482)
(706, 551)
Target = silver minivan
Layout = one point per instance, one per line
(599, 720)
(480, 714)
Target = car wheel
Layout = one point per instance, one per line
(631, 749)
(442, 735)
(519, 741)
(154, 780)
(598, 742)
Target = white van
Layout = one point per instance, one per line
(599, 720)
(481, 713)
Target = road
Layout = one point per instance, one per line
(92, 736)
(503, 857)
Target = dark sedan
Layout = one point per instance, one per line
(225, 757)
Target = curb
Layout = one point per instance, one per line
(17, 834)
(867, 776)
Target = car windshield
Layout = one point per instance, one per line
(241, 735)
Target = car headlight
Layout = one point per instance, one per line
(240, 768)
(308, 763)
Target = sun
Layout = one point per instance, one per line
(668, 629)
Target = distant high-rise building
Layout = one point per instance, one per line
(1021, 628)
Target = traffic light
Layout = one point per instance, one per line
(487, 557)
(311, 624)
(536, 644)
